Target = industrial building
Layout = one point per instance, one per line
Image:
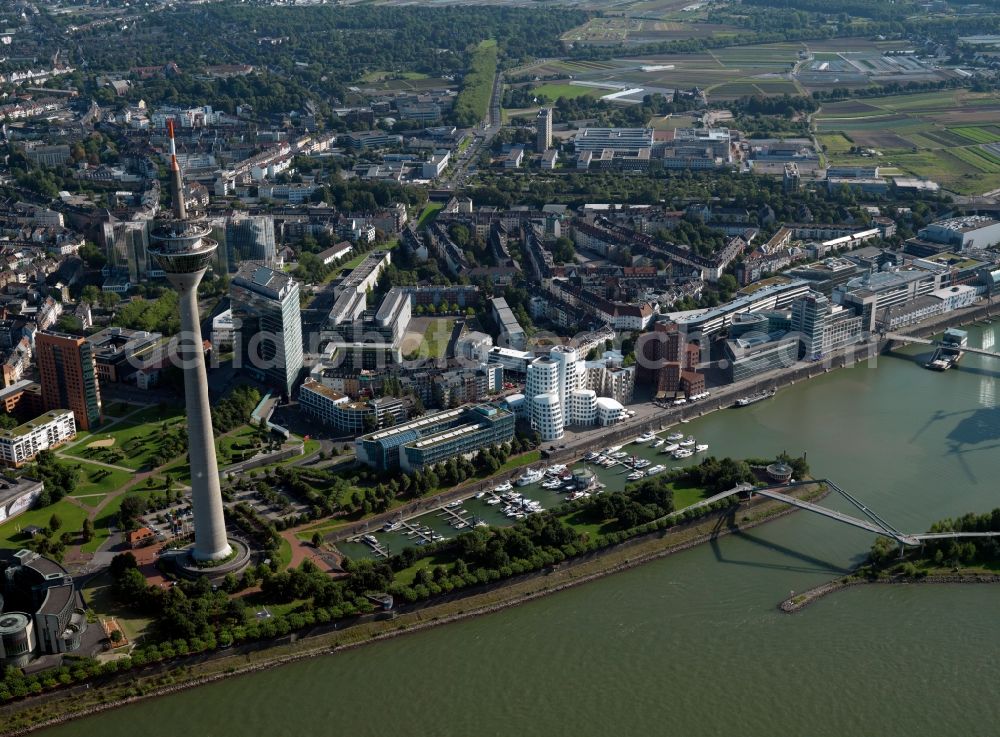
(961, 233)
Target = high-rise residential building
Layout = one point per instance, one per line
(543, 126)
(267, 325)
(249, 238)
(68, 372)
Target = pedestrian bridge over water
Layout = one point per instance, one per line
(873, 523)
(901, 338)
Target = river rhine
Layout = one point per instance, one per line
(693, 644)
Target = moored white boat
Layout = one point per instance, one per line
(531, 476)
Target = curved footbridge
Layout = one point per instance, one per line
(872, 522)
(901, 338)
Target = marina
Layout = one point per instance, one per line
(510, 502)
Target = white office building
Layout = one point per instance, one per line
(267, 325)
(547, 416)
(582, 407)
(609, 411)
(562, 386)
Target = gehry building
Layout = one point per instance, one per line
(564, 390)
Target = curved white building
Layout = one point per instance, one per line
(609, 411)
(547, 416)
(582, 407)
(543, 377)
(571, 370)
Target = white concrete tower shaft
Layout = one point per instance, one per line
(210, 541)
(184, 252)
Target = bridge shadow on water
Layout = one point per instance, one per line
(806, 563)
(975, 431)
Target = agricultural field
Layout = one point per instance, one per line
(948, 136)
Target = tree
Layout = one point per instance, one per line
(90, 294)
(54, 522)
(87, 532)
(121, 563)
(317, 539)
(109, 300)
(132, 508)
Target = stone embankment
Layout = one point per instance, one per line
(798, 602)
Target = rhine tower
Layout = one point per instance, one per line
(183, 250)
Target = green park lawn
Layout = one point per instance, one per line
(685, 496)
(430, 211)
(108, 517)
(99, 598)
(96, 479)
(408, 575)
(237, 443)
(71, 515)
(137, 437)
(553, 91)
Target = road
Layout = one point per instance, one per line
(483, 136)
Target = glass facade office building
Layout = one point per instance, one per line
(267, 325)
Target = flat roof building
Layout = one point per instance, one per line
(120, 352)
(436, 437)
(630, 140)
(268, 325)
(21, 444)
(512, 335)
(68, 370)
